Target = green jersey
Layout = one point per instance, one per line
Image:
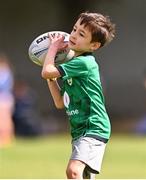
(83, 98)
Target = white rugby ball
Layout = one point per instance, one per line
(39, 47)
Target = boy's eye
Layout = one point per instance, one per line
(81, 34)
(74, 29)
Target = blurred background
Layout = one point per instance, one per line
(123, 71)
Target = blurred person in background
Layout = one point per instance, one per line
(25, 117)
(6, 101)
(141, 125)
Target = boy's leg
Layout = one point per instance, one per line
(75, 169)
(86, 152)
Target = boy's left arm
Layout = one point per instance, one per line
(55, 92)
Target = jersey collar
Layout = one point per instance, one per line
(85, 54)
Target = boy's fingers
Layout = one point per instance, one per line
(65, 45)
(56, 35)
(50, 36)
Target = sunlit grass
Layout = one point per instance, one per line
(47, 157)
(125, 158)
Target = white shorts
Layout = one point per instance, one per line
(90, 151)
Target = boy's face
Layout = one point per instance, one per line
(80, 39)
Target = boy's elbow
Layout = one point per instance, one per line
(48, 72)
(45, 74)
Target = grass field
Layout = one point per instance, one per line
(47, 158)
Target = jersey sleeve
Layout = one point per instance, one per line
(75, 67)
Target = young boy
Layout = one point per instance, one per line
(81, 93)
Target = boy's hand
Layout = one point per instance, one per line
(57, 41)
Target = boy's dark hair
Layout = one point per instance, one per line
(101, 27)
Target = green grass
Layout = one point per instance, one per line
(47, 157)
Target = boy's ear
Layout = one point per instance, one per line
(95, 46)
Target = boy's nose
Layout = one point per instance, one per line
(73, 35)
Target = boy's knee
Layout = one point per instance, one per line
(73, 173)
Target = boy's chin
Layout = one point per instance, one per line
(70, 47)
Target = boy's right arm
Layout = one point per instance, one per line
(55, 92)
(49, 71)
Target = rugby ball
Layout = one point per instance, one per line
(39, 47)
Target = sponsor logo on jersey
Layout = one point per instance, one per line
(72, 112)
(66, 99)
